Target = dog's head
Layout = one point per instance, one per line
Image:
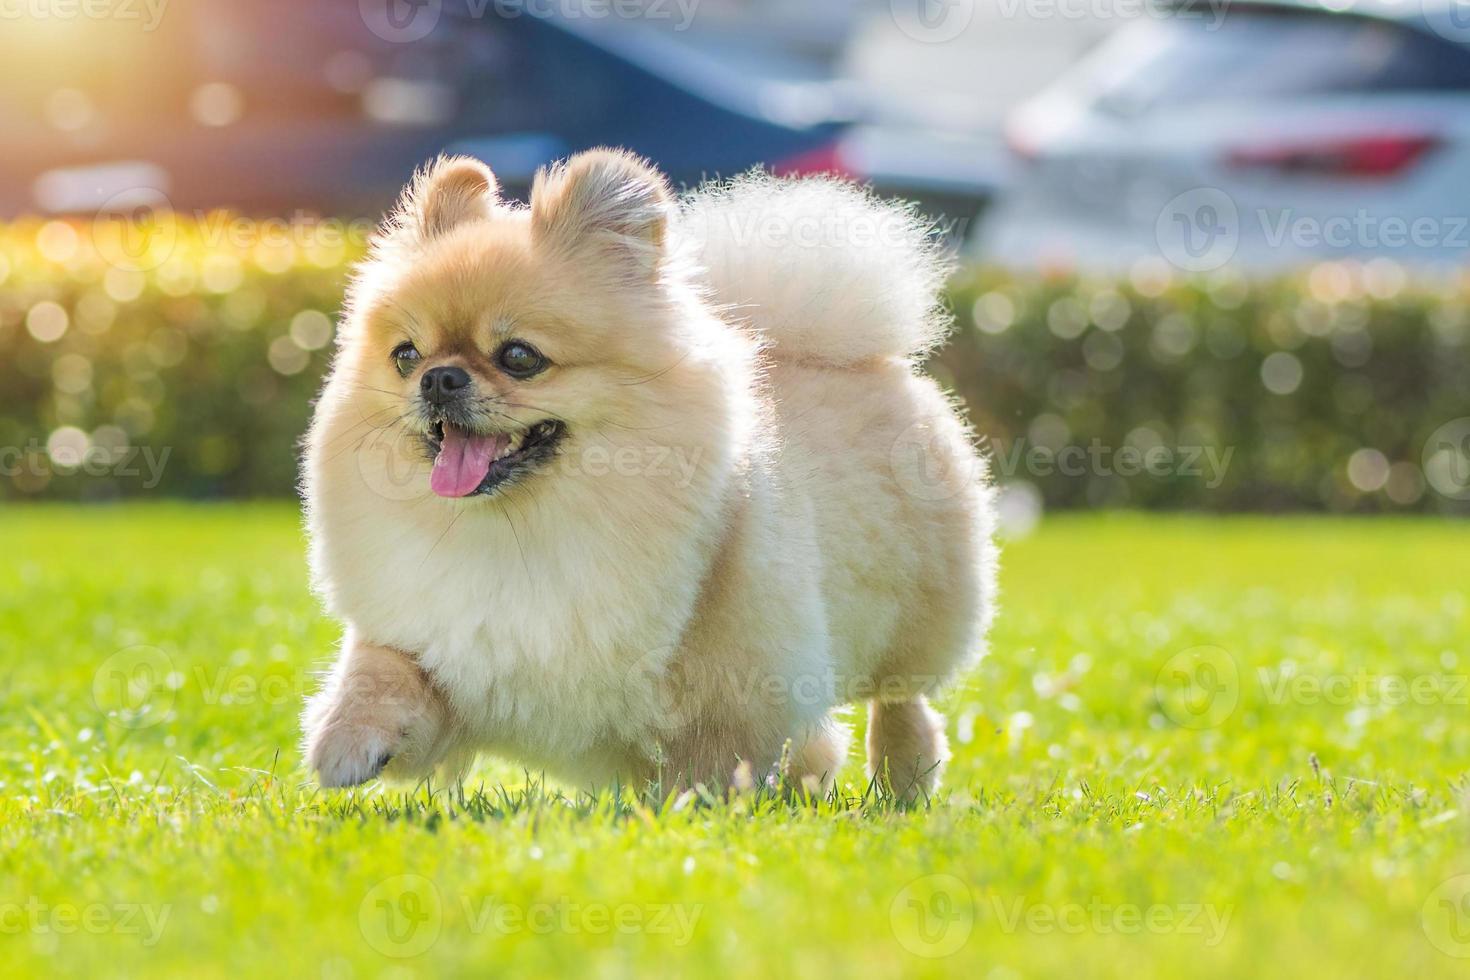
(497, 338)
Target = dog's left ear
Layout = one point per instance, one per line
(449, 192)
(608, 200)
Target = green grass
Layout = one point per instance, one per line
(1121, 803)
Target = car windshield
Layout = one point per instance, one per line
(1200, 55)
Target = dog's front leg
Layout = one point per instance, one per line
(378, 711)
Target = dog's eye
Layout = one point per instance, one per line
(519, 359)
(405, 357)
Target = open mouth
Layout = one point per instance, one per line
(469, 463)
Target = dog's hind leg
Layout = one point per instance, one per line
(814, 759)
(907, 748)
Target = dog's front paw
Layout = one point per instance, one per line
(345, 753)
(365, 726)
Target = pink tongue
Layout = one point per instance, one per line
(463, 461)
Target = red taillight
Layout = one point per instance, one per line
(1020, 146)
(826, 159)
(1363, 156)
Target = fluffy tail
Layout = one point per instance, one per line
(824, 270)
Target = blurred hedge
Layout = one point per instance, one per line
(1324, 387)
(204, 340)
(209, 345)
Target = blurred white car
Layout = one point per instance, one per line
(1253, 135)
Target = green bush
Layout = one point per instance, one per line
(185, 371)
(1327, 390)
(186, 367)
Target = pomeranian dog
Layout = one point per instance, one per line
(641, 490)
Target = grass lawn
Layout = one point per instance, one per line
(1200, 746)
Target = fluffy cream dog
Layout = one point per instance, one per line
(630, 488)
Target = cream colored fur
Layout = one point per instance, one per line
(799, 520)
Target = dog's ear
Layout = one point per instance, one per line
(447, 193)
(609, 200)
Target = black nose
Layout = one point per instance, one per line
(441, 385)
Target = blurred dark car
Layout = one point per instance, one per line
(279, 105)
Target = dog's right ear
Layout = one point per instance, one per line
(445, 194)
(607, 200)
